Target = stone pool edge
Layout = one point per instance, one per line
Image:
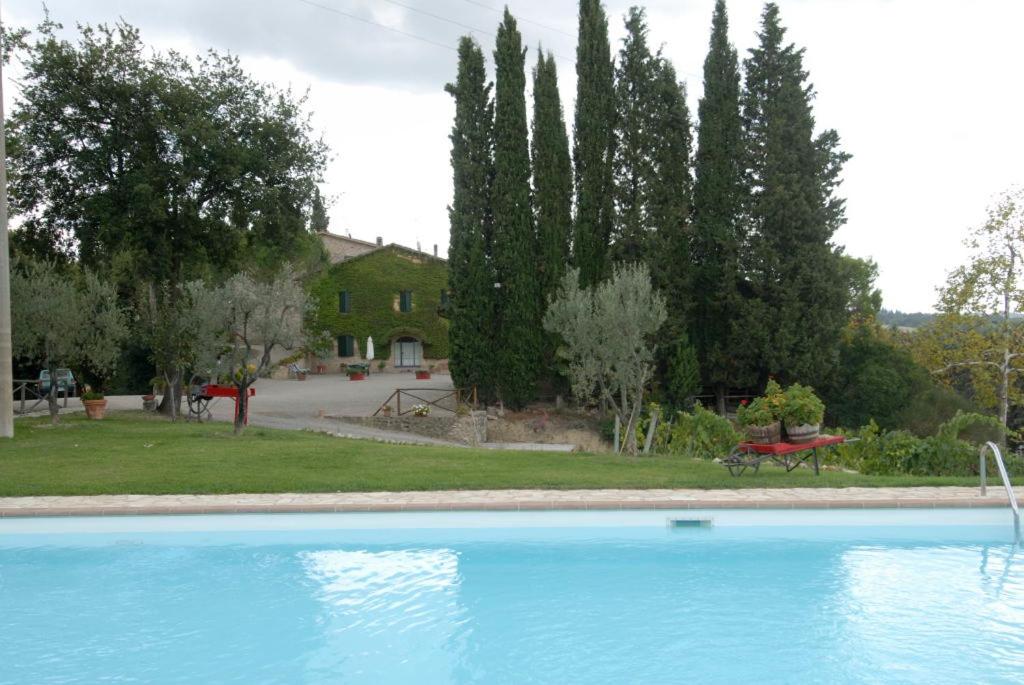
(504, 500)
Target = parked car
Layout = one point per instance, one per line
(65, 381)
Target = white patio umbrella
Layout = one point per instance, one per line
(369, 352)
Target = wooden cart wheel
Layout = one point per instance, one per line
(198, 403)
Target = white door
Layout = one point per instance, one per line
(408, 352)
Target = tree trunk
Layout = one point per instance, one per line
(1004, 389)
(720, 399)
(243, 405)
(170, 405)
(6, 372)
(51, 396)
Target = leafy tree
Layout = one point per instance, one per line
(608, 330)
(256, 317)
(514, 244)
(64, 321)
(151, 167)
(593, 143)
(181, 331)
(979, 332)
(552, 175)
(794, 272)
(470, 275)
(718, 197)
(682, 379)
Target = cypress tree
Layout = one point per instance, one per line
(514, 242)
(717, 205)
(795, 273)
(552, 175)
(470, 279)
(593, 143)
(318, 219)
(633, 169)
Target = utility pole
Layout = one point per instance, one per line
(6, 373)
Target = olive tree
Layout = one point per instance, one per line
(257, 317)
(607, 330)
(64, 319)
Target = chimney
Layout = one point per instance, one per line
(435, 249)
(380, 242)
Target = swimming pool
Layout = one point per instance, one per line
(728, 596)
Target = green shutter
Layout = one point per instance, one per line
(346, 345)
(343, 302)
(405, 301)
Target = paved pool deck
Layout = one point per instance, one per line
(507, 500)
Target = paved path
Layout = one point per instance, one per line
(298, 405)
(506, 500)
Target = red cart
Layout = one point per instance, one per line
(788, 454)
(200, 394)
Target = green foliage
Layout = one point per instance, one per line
(718, 196)
(873, 380)
(91, 395)
(796, 275)
(757, 412)
(802, 406)
(930, 408)
(152, 166)
(702, 434)
(682, 377)
(514, 244)
(593, 144)
(470, 275)
(374, 281)
(900, 452)
(608, 332)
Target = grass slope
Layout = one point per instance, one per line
(140, 454)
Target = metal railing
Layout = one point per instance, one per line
(1006, 483)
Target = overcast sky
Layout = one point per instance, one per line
(924, 93)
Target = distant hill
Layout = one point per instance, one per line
(889, 317)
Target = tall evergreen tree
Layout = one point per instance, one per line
(552, 175)
(318, 219)
(717, 207)
(593, 143)
(470, 278)
(795, 273)
(514, 242)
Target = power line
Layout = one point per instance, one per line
(523, 19)
(440, 18)
(378, 24)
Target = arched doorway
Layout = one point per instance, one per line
(407, 352)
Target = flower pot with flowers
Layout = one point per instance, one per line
(95, 404)
(421, 410)
(759, 422)
(802, 414)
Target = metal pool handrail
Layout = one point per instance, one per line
(1006, 483)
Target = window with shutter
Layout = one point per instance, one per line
(343, 302)
(346, 345)
(405, 301)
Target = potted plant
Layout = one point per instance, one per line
(386, 410)
(421, 410)
(95, 404)
(381, 365)
(802, 414)
(149, 402)
(423, 375)
(759, 421)
(355, 374)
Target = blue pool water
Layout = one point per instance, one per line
(760, 597)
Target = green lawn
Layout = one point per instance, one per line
(140, 454)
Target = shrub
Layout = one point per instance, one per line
(91, 395)
(802, 406)
(702, 434)
(756, 413)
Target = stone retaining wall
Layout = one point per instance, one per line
(469, 429)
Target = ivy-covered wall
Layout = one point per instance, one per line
(374, 282)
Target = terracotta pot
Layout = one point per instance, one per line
(95, 409)
(422, 375)
(386, 413)
(357, 376)
(765, 435)
(803, 433)
(148, 403)
(300, 376)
